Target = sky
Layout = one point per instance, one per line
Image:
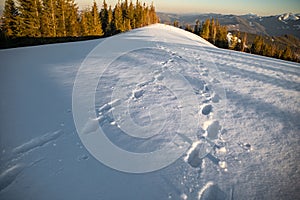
(260, 7)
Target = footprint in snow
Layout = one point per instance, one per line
(137, 93)
(206, 109)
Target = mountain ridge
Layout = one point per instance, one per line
(273, 25)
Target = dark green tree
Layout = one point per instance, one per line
(138, 14)
(257, 45)
(96, 22)
(72, 24)
(104, 17)
(221, 36)
(205, 30)
(10, 15)
(48, 18)
(29, 21)
(176, 23)
(287, 54)
(131, 15)
(61, 9)
(118, 23)
(84, 22)
(197, 27)
(152, 14)
(212, 31)
(110, 28)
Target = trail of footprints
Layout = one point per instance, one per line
(209, 142)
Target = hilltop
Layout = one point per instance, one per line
(180, 119)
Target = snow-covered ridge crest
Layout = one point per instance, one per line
(170, 34)
(288, 16)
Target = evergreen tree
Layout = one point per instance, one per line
(138, 14)
(146, 17)
(273, 50)
(237, 45)
(176, 23)
(109, 29)
(84, 24)
(205, 30)
(221, 36)
(10, 14)
(188, 28)
(104, 17)
(72, 24)
(131, 15)
(118, 24)
(152, 14)
(212, 31)
(124, 7)
(197, 27)
(96, 23)
(266, 50)
(61, 18)
(287, 54)
(257, 45)
(29, 18)
(244, 42)
(48, 18)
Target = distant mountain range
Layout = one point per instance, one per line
(285, 24)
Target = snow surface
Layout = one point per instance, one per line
(245, 144)
(288, 16)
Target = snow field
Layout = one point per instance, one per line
(235, 115)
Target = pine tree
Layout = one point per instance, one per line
(48, 18)
(205, 30)
(104, 17)
(197, 27)
(237, 45)
(176, 23)
(188, 28)
(152, 14)
(29, 18)
(84, 25)
(287, 54)
(146, 17)
(118, 19)
(131, 15)
(10, 15)
(244, 42)
(212, 32)
(72, 24)
(257, 45)
(61, 18)
(96, 23)
(266, 50)
(124, 7)
(138, 14)
(109, 28)
(221, 36)
(273, 50)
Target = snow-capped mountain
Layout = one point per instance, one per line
(285, 24)
(154, 113)
(288, 16)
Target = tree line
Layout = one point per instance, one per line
(62, 18)
(260, 47)
(212, 31)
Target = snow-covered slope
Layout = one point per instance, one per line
(225, 124)
(288, 16)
